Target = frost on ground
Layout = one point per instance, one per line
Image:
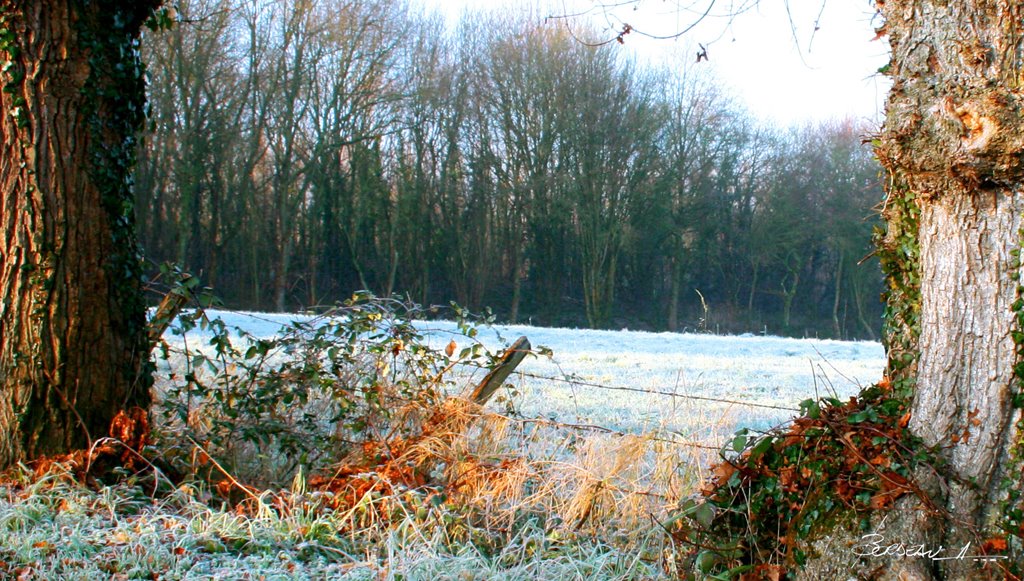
(527, 500)
(747, 371)
(55, 528)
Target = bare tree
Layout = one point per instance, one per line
(188, 176)
(525, 91)
(704, 136)
(608, 165)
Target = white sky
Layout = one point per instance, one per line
(789, 74)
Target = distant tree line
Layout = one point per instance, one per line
(302, 150)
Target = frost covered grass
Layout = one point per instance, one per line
(559, 478)
(747, 369)
(55, 528)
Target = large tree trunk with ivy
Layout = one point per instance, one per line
(953, 144)
(73, 348)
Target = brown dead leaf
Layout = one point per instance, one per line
(202, 458)
(905, 420)
(881, 460)
(723, 471)
(131, 427)
(994, 545)
(972, 417)
(844, 490)
(450, 349)
(787, 476)
(764, 573)
(891, 481)
(880, 501)
(224, 488)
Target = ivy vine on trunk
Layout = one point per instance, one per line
(73, 347)
(944, 501)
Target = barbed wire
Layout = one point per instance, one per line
(602, 429)
(574, 381)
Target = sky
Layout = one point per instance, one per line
(789, 62)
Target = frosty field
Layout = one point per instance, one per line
(747, 371)
(526, 497)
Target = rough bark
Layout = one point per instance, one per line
(73, 348)
(954, 134)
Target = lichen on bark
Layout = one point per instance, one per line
(954, 135)
(953, 146)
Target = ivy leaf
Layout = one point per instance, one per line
(740, 441)
(810, 408)
(704, 514)
(761, 447)
(861, 416)
(706, 561)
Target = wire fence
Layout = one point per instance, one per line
(602, 429)
(573, 380)
(580, 382)
(652, 435)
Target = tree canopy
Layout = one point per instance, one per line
(303, 152)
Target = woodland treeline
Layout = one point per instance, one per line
(302, 150)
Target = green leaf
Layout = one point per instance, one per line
(704, 514)
(706, 561)
(810, 409)
(734, 480)
(761, 447)
(739, 442)
(861, 416)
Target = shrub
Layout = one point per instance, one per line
(326, 386)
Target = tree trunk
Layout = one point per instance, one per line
(955, 135)
(673, 299)
(858, 302)
(837, 331)
(788, 294)
(753, 291)
(517, 283)
(73, 348)
(284, 262)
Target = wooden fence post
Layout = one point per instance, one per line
(513, 356)
(169, 308)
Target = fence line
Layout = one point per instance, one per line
(602, 429)
(597, 428)
(575, 381)
(656, 392)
